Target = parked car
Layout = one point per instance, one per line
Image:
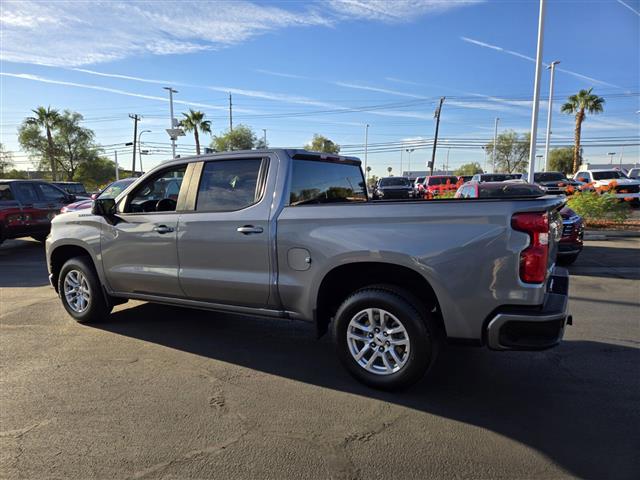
(495, 177)
(434, 185)
(393, 188)
(291, 234)
(621, 186)
(111, 191)
(74, 188)
(418, 188)
(571, 242)
(634, 173)
(27, 208)
(556, 183)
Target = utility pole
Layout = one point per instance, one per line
(447, 169)
(409, 150)
(366, 148)
(140, 148)
(435, 138)
(536, 94)
(230, 114)
(136, 119)
(552, 67)
(116, 160)
(495, 145)
(172, 127)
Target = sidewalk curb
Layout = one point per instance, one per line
(606, 234)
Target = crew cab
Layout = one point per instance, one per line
(291, 234)
(617, 182)
(27, 207)
(556, 182)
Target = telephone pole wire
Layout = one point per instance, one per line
(435, 138)
(136, 119)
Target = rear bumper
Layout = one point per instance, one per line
(534, 328)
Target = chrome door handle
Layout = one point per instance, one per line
(162, 229)
(248, 229)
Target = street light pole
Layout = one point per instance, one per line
(409, 150)
(171, 125)
(552, 67)
(366, 151)
(140, 150)
(495, 141)
(611, 154)
(536, 94)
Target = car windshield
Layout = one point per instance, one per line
(113, 190)
(548, 177)
(607, 175)
(395, 182)
(443, 180)
(501, 177)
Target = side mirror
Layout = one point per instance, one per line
(104, 207)
(94, 196)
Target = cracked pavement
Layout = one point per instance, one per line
(162, 392)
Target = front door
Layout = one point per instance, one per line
(224, 245)
(139, 252)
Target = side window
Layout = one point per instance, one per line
(229, 185)
(25, 192)
(315, 182)
(6, 195)
(50, 193)
(159, 193)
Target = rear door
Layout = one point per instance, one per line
(224, 245)
(50, 200)
(34, 219)
(12, 222)
(139, 252)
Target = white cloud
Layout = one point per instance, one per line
(629, 7)
(531, 59)
(279, 74)
(70, 33)
(378, 89)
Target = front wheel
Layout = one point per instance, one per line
(382, 338)
(80, 291)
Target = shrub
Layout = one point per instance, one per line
(599, 206)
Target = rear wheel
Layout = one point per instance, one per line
(383, 339)
(80, 291)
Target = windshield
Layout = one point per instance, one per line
(548, 177)
(607, 175)
(500, 177)
(394, 182)
(443, 180)
(113, 190)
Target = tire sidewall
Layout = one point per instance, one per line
(97, 309)
(421, 341)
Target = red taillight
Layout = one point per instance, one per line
(533, 259)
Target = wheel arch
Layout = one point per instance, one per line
(59, 256)
(344, 279)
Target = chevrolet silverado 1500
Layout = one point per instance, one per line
(292, 234)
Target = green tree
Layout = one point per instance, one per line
(512, 152)
(389, 170)
(320, 143)
(561, 160)
(33, 140)
(579, 105)
(74, 143)
(240, 138)
(6, 160)
(194, 121)
(373, 180)
(469, 169)
(95, 173)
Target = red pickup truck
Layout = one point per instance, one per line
(27, 207)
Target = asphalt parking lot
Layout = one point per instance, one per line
(161, 392)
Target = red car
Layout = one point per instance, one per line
(111, 191)
(571, 242)
(437, 184)
(27, 207)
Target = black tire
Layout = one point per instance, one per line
(97, 308)
(39, 238)
(416, 321)
(567, 260)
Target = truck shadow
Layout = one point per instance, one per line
(577, 404)
(23, 264)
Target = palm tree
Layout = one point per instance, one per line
(389, 170)
(47, 118)
(193, 121)
(581, 103)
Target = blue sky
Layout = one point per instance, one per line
(299, 68)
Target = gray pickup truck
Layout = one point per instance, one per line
(292, 234)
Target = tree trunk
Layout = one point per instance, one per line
(576, 147)
(195, 134)
(52, 160)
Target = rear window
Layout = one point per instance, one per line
(607, 175)
(315, 182)
(548, 177)
(395, 182)
(5, 192)
(443, 180)
(501, 177)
